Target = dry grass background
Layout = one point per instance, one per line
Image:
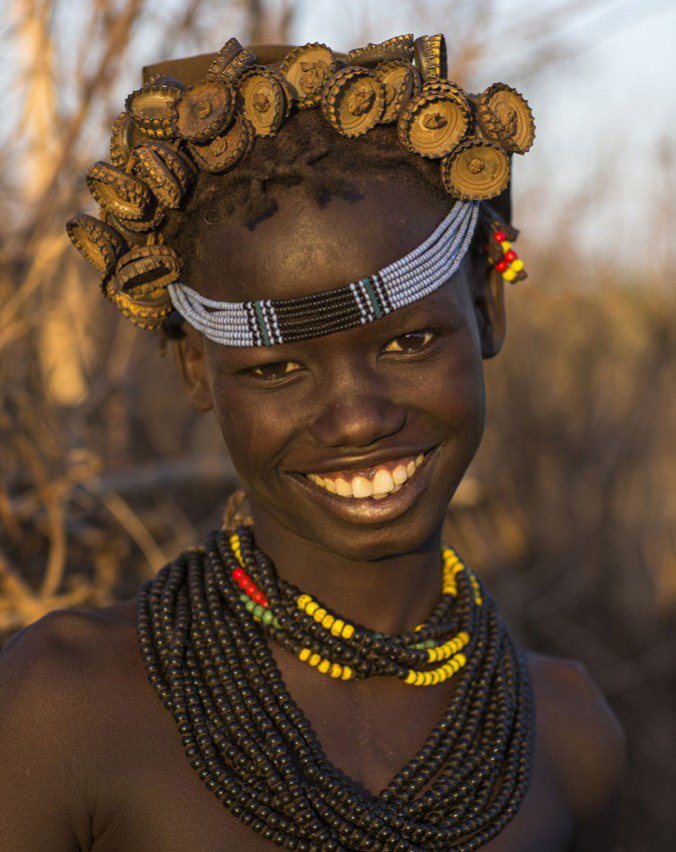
(105, 473)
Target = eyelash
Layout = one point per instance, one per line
(282, 367)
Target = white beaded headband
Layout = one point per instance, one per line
(267, 322)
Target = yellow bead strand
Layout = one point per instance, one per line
(334, 670)
(438, 675)
(337, 626)
(449, 648)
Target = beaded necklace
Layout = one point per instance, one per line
(203, 626)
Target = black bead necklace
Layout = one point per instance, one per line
(206, 651)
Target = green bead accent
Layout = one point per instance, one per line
(267, 616)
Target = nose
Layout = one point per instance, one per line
(355, 411)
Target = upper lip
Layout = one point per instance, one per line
(357, 463)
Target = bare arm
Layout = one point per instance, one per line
(42, 743)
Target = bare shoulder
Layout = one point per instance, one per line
(580, 735)
(59, 655)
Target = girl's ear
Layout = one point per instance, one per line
(192, 368)
(489, 305)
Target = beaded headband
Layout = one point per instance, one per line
(169, 131)
(267, 322)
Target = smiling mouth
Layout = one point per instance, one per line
(376, 482)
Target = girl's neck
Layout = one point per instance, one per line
(389, 595)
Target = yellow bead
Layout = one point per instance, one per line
(346, 673)
(311, 607)
(319, 614)
(327, 621)
(505, 245)
(462, 659)
(337, 627)
(302, 601)
(509, 275)
(410, 677)
(336, 670)
(324, 666)
(315, 660)
(305, 654)
(517, 265)
(348, 630)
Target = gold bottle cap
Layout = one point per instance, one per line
(144, 269)
(153, 107)
(401, 81)
(119, 192)
(353, 100)
(124, 138)
(433, 123)
(477, 170)
(204, 110)
(147, 312)
(217, 69)
(306, 69)
(505, 117)
(399, 47)
(224, 151)
(430, 56)
(97, 242)
(168, 173)
(263, 99)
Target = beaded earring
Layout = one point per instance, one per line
(501, 254)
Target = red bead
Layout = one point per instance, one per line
(501, 265)
(499, 237)
(243, 582)
(258, 596)
(250, 588)
(510, 256)
(237, 574)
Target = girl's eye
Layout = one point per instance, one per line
(275, 371)
(408, 344)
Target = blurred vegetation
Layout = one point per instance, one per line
(105, 473)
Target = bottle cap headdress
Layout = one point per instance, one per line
(208, 117)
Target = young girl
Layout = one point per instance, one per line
(335, 674)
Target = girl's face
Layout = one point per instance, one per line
(356, 440)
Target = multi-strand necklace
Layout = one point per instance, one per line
(204, 626)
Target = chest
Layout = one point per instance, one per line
(151, 799)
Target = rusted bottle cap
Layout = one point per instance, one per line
(144, 269)
(478, 169)
(306, 69)
(353, 100)
(204, 110)
(153, 107)
(231, 61)
(224, 151)
(167, 172)
(398, 47)
(430, 56)
(147, 312)
(433, 123)
(97, 242)
(119, 192)
(401, 82)
(263, 99)
(505, 117)
(125, 136)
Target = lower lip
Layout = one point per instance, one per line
(368, 510)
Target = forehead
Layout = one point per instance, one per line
(304, 249)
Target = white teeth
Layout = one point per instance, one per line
(380, 485)
(361, 487)
(382, 482)
(399, 474)
(343, 489)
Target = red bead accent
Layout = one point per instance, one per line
(501, 265)
(237, 574)
(499, 237)
(258, 596)
(243, 582)
(510, 256)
